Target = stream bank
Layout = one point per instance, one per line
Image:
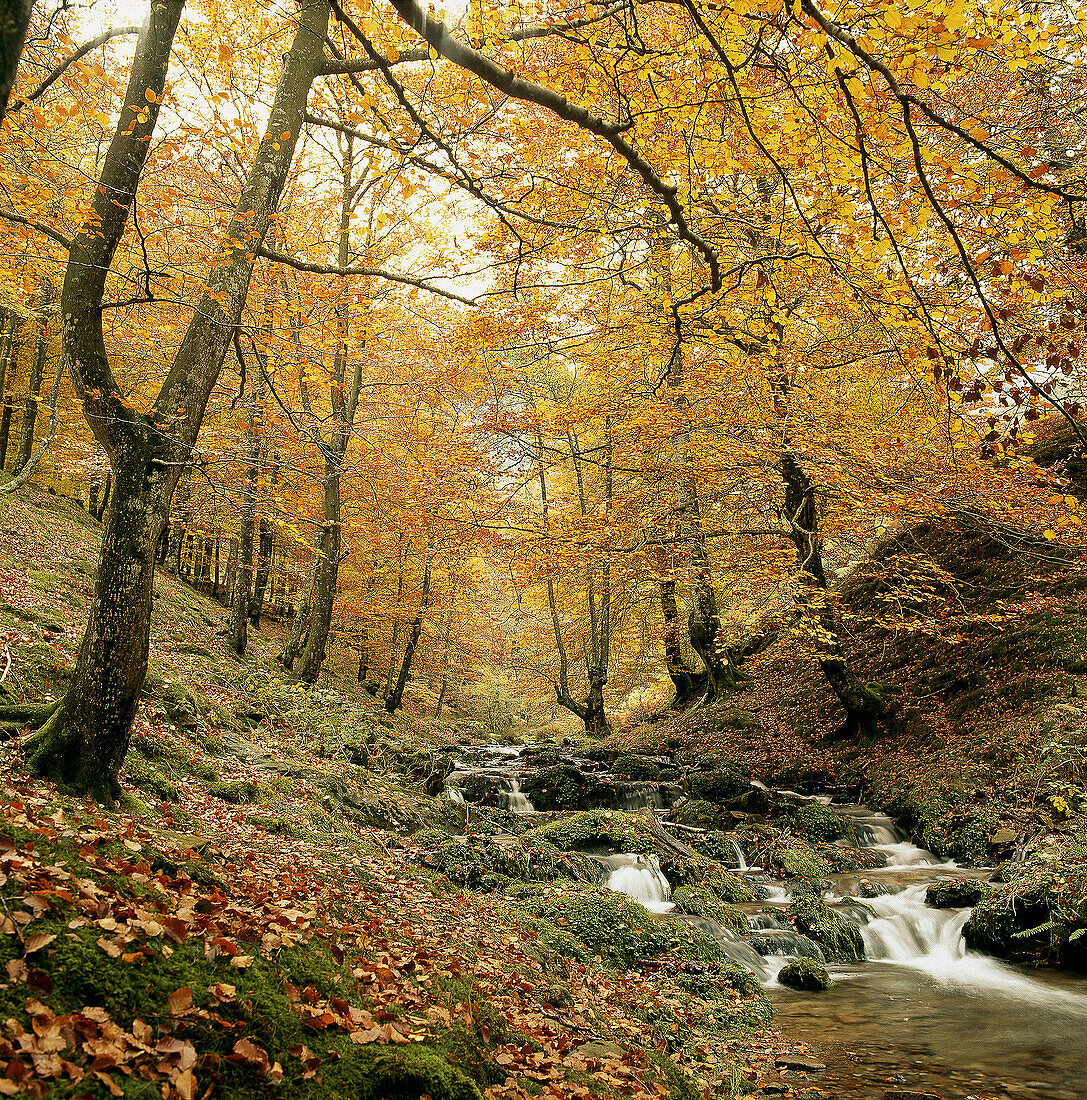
(910, 1011)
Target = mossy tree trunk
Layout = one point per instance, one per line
(863, 703)
(34, 385)
(84, 743)
(14, 20)
(396, 696)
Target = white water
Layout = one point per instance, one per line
(455, 794)
(906, 931)
(639, 877)
(741, 860)
(515, 799)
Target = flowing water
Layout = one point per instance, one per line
(921, 1015)
(924, 1014)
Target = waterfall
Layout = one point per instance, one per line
(635, 798)
(514, 799)
(741, 861)
(455, 794)
(639, 877)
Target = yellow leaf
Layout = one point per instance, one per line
(1051, 535)
(103, 120)
(150, 96)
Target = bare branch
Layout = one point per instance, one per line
(375, 272)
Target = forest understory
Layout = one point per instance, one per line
(288, 899)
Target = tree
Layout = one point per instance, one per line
(83, 743)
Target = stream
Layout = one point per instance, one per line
(921, 1018)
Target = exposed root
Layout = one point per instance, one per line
(57, 751)
(28, 714)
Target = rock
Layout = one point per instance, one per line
(955, 894)
(869, 888)
(754, 800)
(808, 975)
(909, 1094)
(1003, 838)
(800, 1065)
(840, 940)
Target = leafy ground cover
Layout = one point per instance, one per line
(255, 916)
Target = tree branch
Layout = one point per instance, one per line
(94, 43)
(375, 272)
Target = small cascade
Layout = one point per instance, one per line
(514, 798)
(763, 922)
(634, 797)
(639, 877)
(455, 793)
(735, 947)
(785, 942)
(741, 861)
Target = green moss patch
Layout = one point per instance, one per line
(809, 975)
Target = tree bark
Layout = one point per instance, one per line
(33, 397)
(395, 697)
(237, 633)
(14, 20)
(83, 745)
(863, 703)
(324, 587)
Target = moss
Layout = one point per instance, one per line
(240, 790)
(809, 975)
(840, 940)
(701, 902)
(606, 829)
(276, 825)
(203, 771)
(609, 924)
(699, 813)
(820, 822)
(800, 860)
(723, 782)
(698, 871)
(955, 894)
(716, 844)
(147, 778)
(561, 787)
(637, 767)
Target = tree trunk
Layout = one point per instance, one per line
(84, 743)
(264, 565)
(14, 20)
(33, 396)
(237, 633)
(324, 586)
(441, 697)
(11, 358)
(302, 608)
(393, 700)
(215, 581)
(178, 526)
(863, 703)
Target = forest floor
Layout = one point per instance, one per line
(261, 914)
(255, 916)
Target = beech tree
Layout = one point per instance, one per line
(83, 741)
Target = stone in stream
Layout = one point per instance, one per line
(956, 894)
(798, 1064)
(806, 974)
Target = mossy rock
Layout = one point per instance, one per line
(560, 787)
(799, 860)
(956, 894)
(722, 783)
(637, 767)
(699, 871)
(840, 940)
(277, 825)
(808, 975)
(716, 844)
(608, 830)
(149, 779)
(238, 791)
(609, 924)
(700, 814)
(702, 902)
(820, 823)
(202, 770)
